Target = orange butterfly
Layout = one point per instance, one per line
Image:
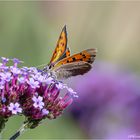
(63, 65)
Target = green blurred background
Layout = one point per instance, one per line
(29, 31)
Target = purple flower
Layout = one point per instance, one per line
(2, 84)
(14, 108)
(72, 92)
(60, 85)
(45, 112)
(33, 70)
(21, 79)
(38, 102)
(7, 76)
(50, 80)
(108, 107)
(32, 93)
(16, 61)
(15, 70)
(4, 60)
(33, 83)
(3, 99)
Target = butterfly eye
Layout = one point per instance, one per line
(49, 66)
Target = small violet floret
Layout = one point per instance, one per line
(7, 76)
(2, 83)
(16, 61)
(38, 102)
(4, 60)
(72, 92)
(15, 70)
(45, 112)
(33, 83)
(60, 85)
(49, 80)
(15, 108)
(22, 80)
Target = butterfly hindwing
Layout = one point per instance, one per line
(67, 52)
(61, 47)
(72, 69)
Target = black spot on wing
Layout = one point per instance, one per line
(84, 56)
(74, 59)
(61, 37)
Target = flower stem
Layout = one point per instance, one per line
(19, 132)
(2, 123)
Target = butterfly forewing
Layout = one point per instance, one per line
(61, 47)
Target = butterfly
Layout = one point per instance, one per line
(63, 65)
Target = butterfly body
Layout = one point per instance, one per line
(63, 66)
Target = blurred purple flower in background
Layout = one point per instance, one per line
(109, 102)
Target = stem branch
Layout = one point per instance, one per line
(19, 132)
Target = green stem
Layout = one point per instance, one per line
(2, 123)
(28, 124)
(19, 132)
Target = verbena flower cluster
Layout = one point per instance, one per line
(28, 92)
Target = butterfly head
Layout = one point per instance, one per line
(47, 70)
